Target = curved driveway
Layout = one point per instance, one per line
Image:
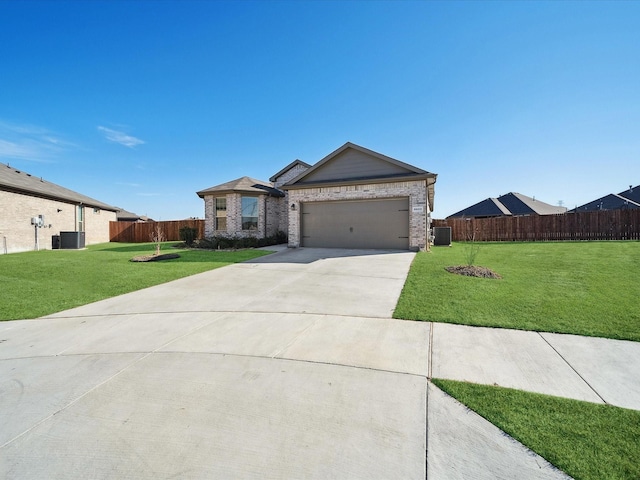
(287, 366)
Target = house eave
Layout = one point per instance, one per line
(359, 181)
(293, 164)
(255, 193)
(59, 198)
(364, 150)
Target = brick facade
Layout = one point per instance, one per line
(18, 235)
(269, 209)
(373, 176)
(416, 191)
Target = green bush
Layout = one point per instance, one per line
(223, 242)
(188, 235)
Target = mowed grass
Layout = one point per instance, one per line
(40, 283)
(585, 288)
(587, 441)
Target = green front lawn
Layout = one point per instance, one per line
(40, 283)
(584, 288)
(587, 441)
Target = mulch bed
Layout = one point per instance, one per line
(473, 271)
(154, 258)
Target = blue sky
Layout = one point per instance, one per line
(141, 104)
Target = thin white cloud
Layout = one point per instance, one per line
(27, 130)
(122, 138)
(126, 184)
(14, 150)
(30, 142)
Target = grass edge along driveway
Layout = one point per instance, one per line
(582, 288)
(40, 283)
(588, 441)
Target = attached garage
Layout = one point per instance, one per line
(377, 223)
(358, 198)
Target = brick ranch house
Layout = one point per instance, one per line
(34, 211)
(352, 198)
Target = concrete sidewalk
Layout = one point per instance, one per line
(288, 366)
(592, 369)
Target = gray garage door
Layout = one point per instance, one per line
(356, 224)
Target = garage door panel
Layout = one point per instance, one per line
(356, 224)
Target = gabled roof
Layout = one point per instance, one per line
(387, 167)
(509, 204)
(352, 163)
(633, 194)
(18, 181)
(489, 207)
(243, 185)
(519, 204)
(125, 216)
(293, 164)
(608, 202)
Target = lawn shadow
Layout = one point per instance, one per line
(309, 255)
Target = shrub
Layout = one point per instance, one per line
(188, 235)
(221, 242)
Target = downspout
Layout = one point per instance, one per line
(264, 214)
(429, 210)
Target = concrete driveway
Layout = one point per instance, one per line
(284, 367)
(288, 366)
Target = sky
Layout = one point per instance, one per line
(140, 104)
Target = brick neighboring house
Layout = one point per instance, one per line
(25, 198)
(352, 198)
(507, 205)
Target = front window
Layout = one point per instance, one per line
(249, 213)
(221, 213)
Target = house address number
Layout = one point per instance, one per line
(418, 209)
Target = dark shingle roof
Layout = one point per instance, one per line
(509, 204)
(633, 194)
(519, 204)
(126, 216)
(608, 202)
(18, 181)
(243, 185)
(489, 207)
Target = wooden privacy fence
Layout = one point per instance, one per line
(140, 232)
(600, 225)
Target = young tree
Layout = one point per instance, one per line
(157, 237)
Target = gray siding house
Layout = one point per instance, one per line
(352, 198)
(34, 211)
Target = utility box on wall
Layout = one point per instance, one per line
(71, 240)
(442, 236)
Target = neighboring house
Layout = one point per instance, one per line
(632, 194)
(510, 204)
(34, 211)
(352, 198)
(124, 216)
(629, 199)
